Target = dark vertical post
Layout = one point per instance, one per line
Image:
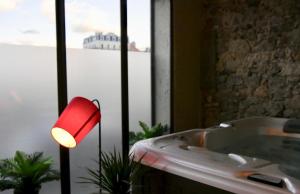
(153, 93)
(124, 78)
(172, 129)
(62, 89)
(100, 146)
(100, 153)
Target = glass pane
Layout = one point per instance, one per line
(28, 86)
(93, 62)
(139, 63)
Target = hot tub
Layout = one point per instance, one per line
(254, 155)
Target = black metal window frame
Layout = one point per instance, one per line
(62, 82)
(62, 89)
(153, 93)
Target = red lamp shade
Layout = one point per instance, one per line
(75, 122)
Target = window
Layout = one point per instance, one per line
(28, 86)
(93, 75)
(139, 63)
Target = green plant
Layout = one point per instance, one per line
(148, 132)
(117, 173)
(25, 173)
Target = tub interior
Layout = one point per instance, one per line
(256, 139)
(284, 151)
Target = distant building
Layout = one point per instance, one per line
(147, 50)
(109, 41)
(132, 47)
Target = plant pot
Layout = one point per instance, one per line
(27, 191)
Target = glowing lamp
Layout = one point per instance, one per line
(75, 122)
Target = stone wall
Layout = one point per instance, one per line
(258, 58)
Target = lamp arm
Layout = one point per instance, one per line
(97, 102)
(100, 147)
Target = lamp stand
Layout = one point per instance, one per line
(100, 147)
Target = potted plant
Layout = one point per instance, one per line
(117, 174)
(148, 132)
(25, 173)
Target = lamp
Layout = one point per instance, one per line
(75, 122)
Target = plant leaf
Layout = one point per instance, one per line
(26, 170)
(116, 175)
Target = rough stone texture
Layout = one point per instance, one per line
(258, 58)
